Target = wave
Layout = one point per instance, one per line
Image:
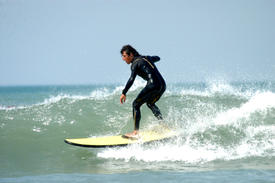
(100, 93)
(218, 123)
(260, 102)
(238, 133)
(209, 89)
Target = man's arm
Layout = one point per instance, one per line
(130, 82)
(153, 58)
(128, 85)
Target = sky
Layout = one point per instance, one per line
(46, 42)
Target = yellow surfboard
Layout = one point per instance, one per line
(155, 134)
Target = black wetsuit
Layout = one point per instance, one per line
(144, 67)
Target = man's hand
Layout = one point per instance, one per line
(122, 98)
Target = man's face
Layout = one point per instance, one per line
(127, 58)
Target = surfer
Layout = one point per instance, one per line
(144, 67)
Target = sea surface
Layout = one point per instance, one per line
(226, 134)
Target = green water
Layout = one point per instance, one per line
(225, 129)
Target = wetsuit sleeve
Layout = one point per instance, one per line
(130, 81)
(153, 58)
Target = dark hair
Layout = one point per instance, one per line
(129, 49)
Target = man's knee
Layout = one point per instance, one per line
(136, 104)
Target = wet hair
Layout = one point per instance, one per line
(129, 49)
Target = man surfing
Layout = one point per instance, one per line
(144, 67)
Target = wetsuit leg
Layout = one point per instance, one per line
(144, 96)
(136, 114)
(151, 103)
(150, 95)
(155, 111)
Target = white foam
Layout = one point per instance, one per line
(97, 94)
(9, 108)
(184, 152)
(220, 86)
(100, 94)
(192, 151)
(36, 129)
(211, 89)
(137, 84)
(189, 148)
(259, 102)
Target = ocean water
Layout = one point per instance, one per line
(227, 134)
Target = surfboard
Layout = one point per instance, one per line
(147, 136)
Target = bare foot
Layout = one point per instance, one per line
(133, 134)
